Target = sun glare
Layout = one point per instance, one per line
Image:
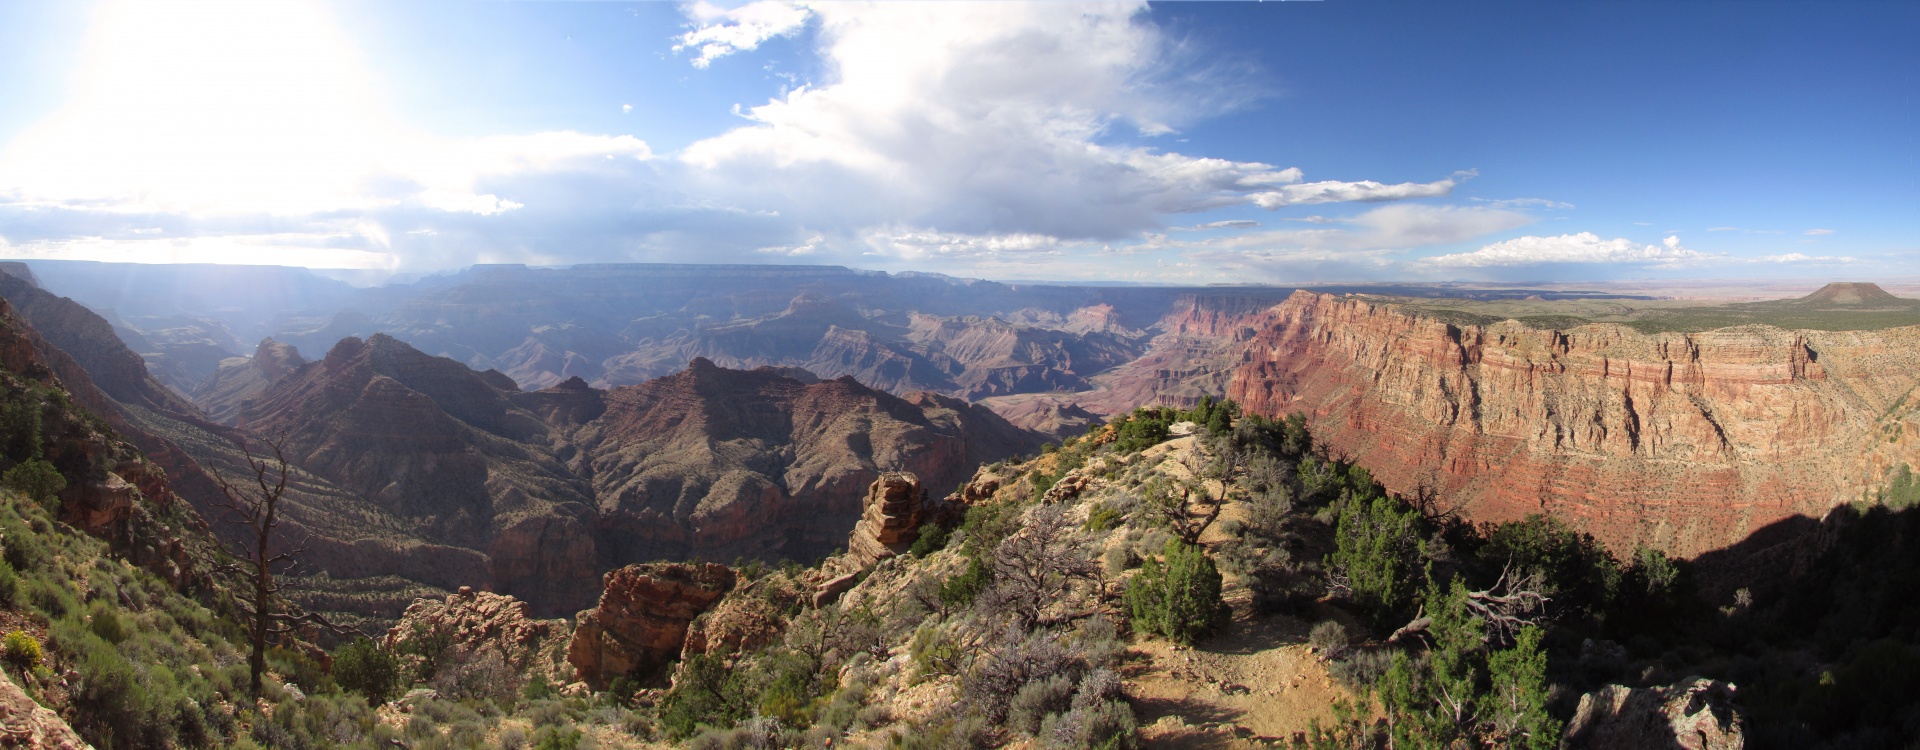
(209, 107)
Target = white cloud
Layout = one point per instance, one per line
(1525, 203)
(987, 119)
(724, 31)
(1212, 225)
(1807, 259)
(1585, 247)
(626, 109)
(925, 244)
(1364, 191)
(1723, 229)
(1380, 230)
(1818, 232)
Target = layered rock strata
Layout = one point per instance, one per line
(896, 506)
(1687, 442)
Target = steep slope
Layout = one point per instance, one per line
(438, 447)
(237, 379)
(548, 489)
(1684, 441)
(725, 462)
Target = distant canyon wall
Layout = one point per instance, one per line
(1687, 442)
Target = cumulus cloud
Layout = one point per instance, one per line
(968, 134)
(1818, 232)
(988, 119)
(724, 31)
(1585, 247)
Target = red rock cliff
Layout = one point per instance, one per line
(1683, 441)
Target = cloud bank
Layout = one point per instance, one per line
(1585, 247)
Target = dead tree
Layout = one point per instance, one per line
(255, 507)
(1180, 504)
(1511, 603)
(1034, 570)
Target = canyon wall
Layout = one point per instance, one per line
(1684, 441)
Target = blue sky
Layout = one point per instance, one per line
(1180, 142)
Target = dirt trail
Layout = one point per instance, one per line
(1255, 684)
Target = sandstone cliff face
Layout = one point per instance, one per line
(642, 619)
(1686, 442)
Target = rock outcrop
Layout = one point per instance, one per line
(642, 619)
(474, 623)
(1695, 714)
(1687, 442)
(896, 505)
(25, 724)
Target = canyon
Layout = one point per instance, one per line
(1682, 441)
(527, 429)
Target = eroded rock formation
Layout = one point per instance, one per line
(1695, 714)
(643, 617)
(474, 623)
(896, 505)
(1687, 442)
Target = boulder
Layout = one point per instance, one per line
(1694, 714)
(643, 617)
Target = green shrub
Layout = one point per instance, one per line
(23, 550)
(22, 651)
(933, 538)
(555, 738)
(989, 523)
(365, 668)
(934, 652)
(1102, 517)
(1178, 598)
(9, 586)
(1380, 549)
(960, 590)
(38, 480)
(703, 694)
(538, 688)
(105, 622)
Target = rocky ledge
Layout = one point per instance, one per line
(642, 619)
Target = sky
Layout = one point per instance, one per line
(1186, 142)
